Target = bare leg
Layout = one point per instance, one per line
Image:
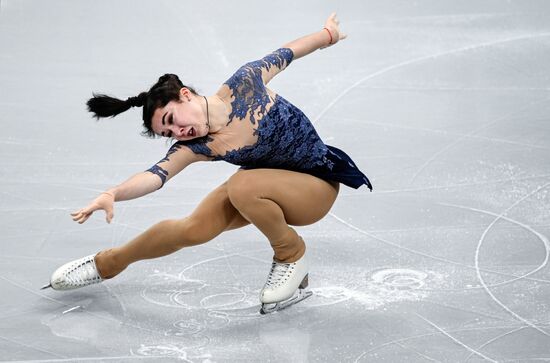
(272, 199)
(212, 216)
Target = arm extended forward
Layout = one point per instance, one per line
(177, 158)
(136, 186)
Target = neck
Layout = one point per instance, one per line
(217, 113)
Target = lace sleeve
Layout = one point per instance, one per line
(274, 63)
(264, 69)
(177, 158)
(247, 85)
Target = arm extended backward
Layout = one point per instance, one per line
(323, 38)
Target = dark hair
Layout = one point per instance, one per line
(165, 90)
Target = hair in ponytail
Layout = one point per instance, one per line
(165, 90)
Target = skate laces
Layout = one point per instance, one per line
(83, 274)
(277, 273)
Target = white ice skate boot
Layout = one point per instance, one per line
(75, 274)
(286, 285)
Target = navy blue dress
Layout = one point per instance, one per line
(283, 137)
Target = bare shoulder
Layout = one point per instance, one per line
(224, 93)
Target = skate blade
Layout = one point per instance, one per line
(46, 286)
(270, 308)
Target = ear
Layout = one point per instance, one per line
(185, 94)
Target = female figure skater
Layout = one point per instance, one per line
(288, 176)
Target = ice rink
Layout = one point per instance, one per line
(443, 104)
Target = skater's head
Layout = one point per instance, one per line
(170, 109)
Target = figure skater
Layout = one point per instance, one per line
(288, 176)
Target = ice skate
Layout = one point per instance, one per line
(286, 285)
(75, 274)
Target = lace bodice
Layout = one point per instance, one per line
(263, 129)
(281, 134)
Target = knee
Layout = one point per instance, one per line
(242, 189)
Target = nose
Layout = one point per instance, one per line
(180, 131)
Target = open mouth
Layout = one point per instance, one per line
(191, 132)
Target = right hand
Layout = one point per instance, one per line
(333, 25)
(105, 201)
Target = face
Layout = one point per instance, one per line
(183, 120)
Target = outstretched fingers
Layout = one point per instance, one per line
(82, 215)
(110, 215)
(333, 25)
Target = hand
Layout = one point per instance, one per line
(333, 25)
(105, 201)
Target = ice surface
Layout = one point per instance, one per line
(443, 104)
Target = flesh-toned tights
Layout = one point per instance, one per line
(271, 199)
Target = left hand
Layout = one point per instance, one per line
(333, 25)
(104, 201)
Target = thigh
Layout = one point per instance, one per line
(303, 198)
(216, 212)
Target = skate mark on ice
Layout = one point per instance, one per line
(48, 234)
(445, 228)
(193, 326)
(33, 234)
(86, 359)
(473, 312)
(11, 341)
(442, 259)
(435, 187)
(174, 352)
(456, 340)
(421, 59)
(404, 347)
(121, 213)
(540, 236)
(383, 287)
(179, 291)
(166, 290)
(165, 350)
(226, 260)
(183, 345)
(210, 302)
(402, 279)
(482, 238)
(425, 335)
(328, 295)
(455, 88)
(462, 138)
(66, 305)
(471, 135)
(71, 309)
(494, 340)
(240, 254)
(251, 311)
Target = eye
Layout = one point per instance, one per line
(171, 119)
